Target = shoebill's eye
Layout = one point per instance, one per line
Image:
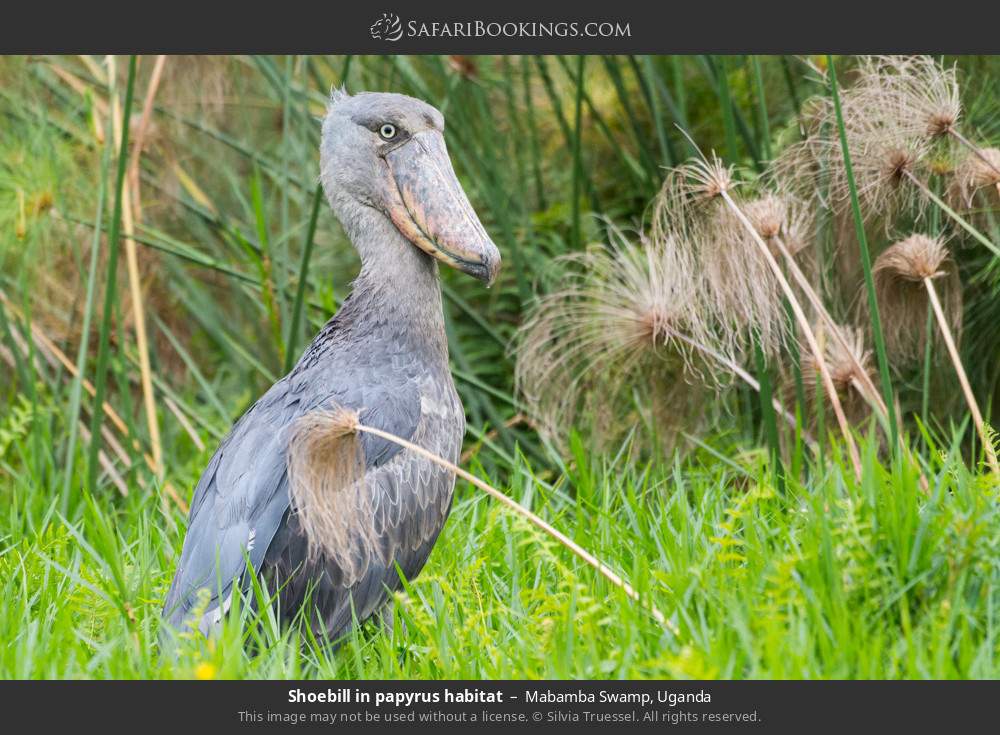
(387, 131)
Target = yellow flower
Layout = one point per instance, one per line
(205, 670)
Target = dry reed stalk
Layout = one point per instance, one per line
(861, 375)
(780, 221)
(185, 424)
(807, 332)
(135, 286)
(79, 86)
(709, 180)
(140, 136)
(923, 261)
(847, 360)
(95, 69)
(341, 426)
(963, 379)
(106, 463)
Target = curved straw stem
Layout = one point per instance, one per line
(582, 553)
(807, 331)
(861, 380)
(963, 380)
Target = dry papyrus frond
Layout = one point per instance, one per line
(326, 473)
(914, 94)
(705, 179)
(978, 171)
(893, 114)
(917, 98)
(899, 273)
(884, 161)
(603, 346)
(742, 298)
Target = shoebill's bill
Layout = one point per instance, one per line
(388, 178)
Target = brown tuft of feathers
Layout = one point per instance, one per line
(899, 273)
(327, 480)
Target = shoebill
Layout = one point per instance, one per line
(388, 178)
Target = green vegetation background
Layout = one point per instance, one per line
(828, 577)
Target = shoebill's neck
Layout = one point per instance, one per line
(398, 286)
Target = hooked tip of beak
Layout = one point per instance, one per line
(482, 263)
(488, 268)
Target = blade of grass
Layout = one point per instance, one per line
(536, 155)
(577, 137)
(631, 164)
(726, 105)
(76, 389)
(718, 77)
(645, 154)
(264, 263)
(647, 76)
(866, 260)
(300, 292)
(768, 417)
(765, 126)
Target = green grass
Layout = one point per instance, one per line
(821, 577)
(837, 579)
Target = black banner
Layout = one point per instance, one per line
(730, 706)
(508, 27)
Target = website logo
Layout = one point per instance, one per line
(387, 28)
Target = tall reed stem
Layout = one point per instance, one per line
(963, 380)
(130, 206)
(300, 291)
(110, 290)
(806, 328)
(866, 258)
